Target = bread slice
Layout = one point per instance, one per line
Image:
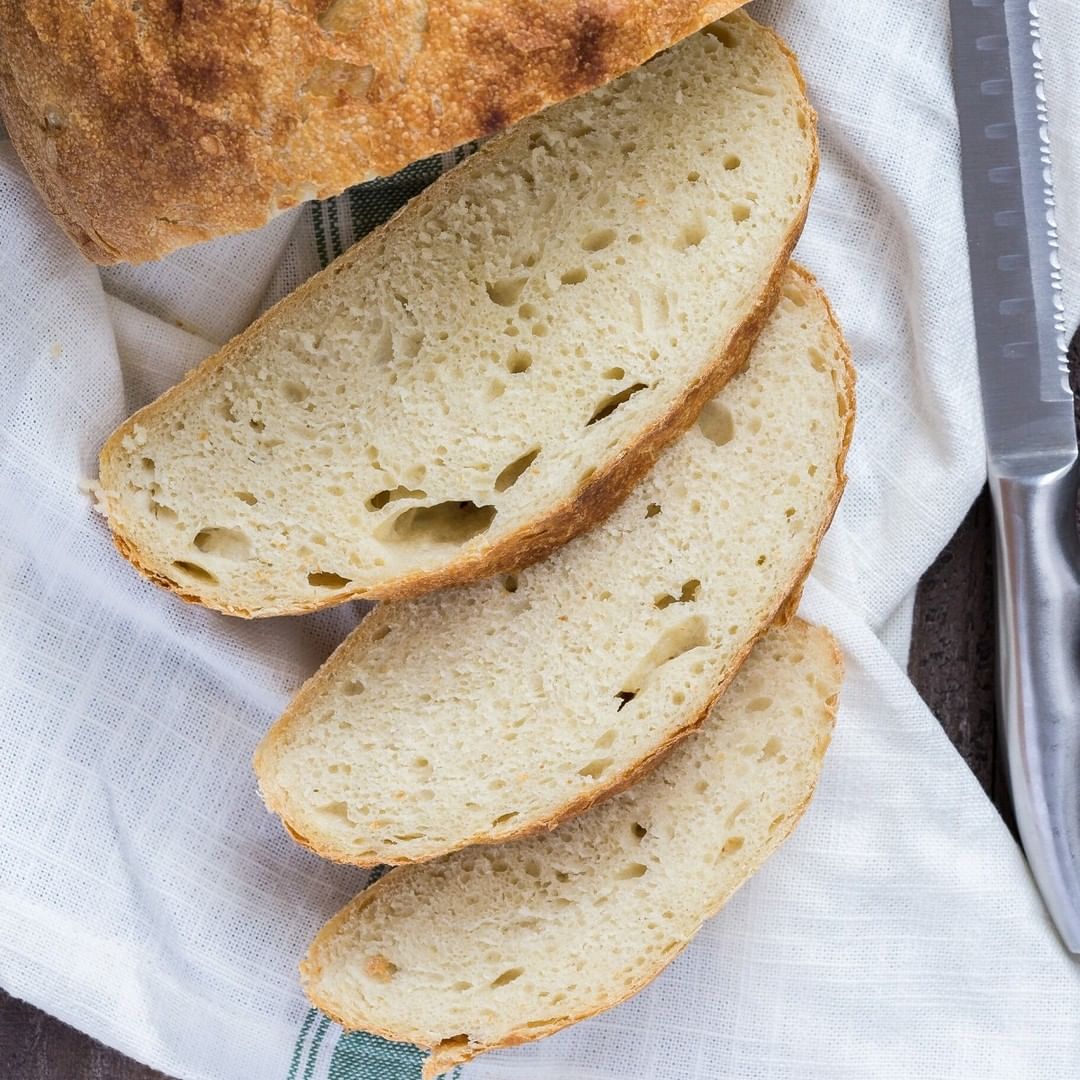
(487, 375)
(489, 712)
(498, 946)
(151, 125)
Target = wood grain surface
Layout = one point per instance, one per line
(952, 664)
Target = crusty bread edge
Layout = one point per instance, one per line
(277, 800)
(129, 230)
(447, 1054)
(612, 481)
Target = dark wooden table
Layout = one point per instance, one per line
(952, 664)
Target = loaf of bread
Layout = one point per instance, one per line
(489, 374)
(492, 711)
(149, 125)
(498, 946)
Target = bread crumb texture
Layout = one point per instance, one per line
(500, 945)
(477, 714)
(490, 372)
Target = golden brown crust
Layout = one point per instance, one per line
(448, 1053)
(587, 507)
(148, 126)
(277, 799)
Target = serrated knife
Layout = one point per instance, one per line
(1030, 431)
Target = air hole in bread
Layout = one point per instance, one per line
(246, 497)
(383, 352)
(510, 583)
(605, 740)
(772, 747)
(631, 871)
(716, 423)
(353, 687)
(795, 295)
(257, 425)
(380, 968)
(506, 291)
(731, 845)
(502, 819)
(653, 510)
(532, 868)
(326, 579)
(544, 1023)
(411, 344)
(513, 472)
(495, 389)
(338, 811)
(294, 391)
(508, 976)
(615, 373)
(723, 33)
(380, 632)
(740, 212)
(598, 239)
(687, 595)
(518, 362)
(817, 359)
(162, 512)
(624, 698)
(194, 570)
(596, 768)
(611, 403)
(638, 831)
(461, 986)
(574, 276)
(693, 176)
(737, 813)
(731, 162)
(444, 523)
(684, 637)
(382, 498)
(452, 1043)
(691, 235)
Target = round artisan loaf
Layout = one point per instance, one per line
(153, 124)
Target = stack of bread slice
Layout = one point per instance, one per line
(577, 380)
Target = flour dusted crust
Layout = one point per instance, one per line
(149, 126)
(477, 950)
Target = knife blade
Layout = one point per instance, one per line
(1030, 430)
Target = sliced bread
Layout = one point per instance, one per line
(488, 712)
(502, 945)
(488, 374)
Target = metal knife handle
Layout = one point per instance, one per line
(1038, 556)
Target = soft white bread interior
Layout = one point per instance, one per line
(501, 945)
(488, 374)
(490, 711)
